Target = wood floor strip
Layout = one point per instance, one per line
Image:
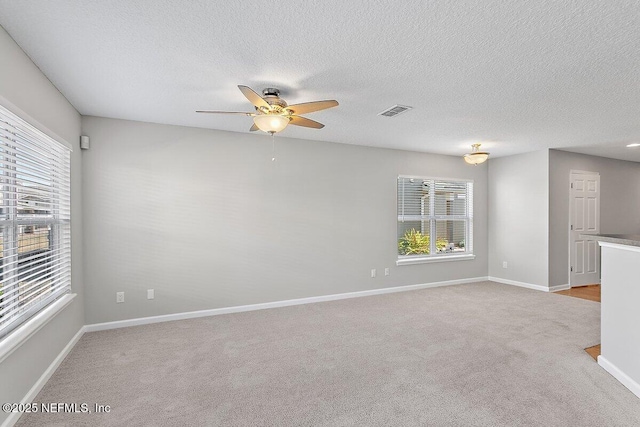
(589, 292)
(593, 351)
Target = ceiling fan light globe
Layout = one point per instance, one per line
(271, 123)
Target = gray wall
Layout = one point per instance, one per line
(207, 220)
(619, 203)
(24, 89)
(519, 217)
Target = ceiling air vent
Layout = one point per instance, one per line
(395, 110)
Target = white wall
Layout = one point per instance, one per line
(27, 92)
(207, 220)
(619, 203)
(519, 218)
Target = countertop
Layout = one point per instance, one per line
(621, 239)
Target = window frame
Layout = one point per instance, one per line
(34, 149)
(431, 217)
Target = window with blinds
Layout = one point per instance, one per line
(35, 231)
(435, 217)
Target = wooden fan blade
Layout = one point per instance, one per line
(225, 112)
(253, 97)
(254, 128)
(310, 107)
(303, 121)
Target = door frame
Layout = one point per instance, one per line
(571, 173)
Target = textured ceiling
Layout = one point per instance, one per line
(516, 75)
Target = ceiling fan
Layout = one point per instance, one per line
(273, 114)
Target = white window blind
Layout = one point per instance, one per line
(435, 217)
(35, 229)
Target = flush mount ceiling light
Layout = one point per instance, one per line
(635, 144)
(271, 123)
(475, 157)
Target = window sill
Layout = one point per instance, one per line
(25, 331)
(441, 258)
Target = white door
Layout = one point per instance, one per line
(584, 211)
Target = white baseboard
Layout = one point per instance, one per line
(252, 307)
(557, 288)
(526, 285)
(31, 394)
(626, 380)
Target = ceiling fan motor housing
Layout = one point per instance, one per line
(272, 96)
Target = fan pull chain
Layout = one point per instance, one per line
(273, 150)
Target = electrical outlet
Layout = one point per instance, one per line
(386, 271)
(150, 294)
(119, 297)
(504, 264)
(373, 272)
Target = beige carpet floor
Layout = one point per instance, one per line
(481, 354)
